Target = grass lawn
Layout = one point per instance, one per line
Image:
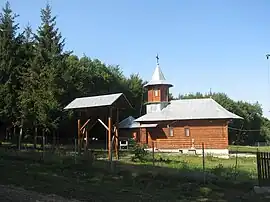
(248, 149)
(232, 148)
(171, 179)
(246, 168)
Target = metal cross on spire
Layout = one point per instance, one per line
(157, 59)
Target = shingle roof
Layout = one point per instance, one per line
(97, 101)
(158, 78)
(188, 109)
(129, 122)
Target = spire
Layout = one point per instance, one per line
(157, 60)
(158, 77)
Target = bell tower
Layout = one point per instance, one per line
(158, 91)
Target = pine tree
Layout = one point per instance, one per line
(26, 96)
(44, 77)
(10, 67)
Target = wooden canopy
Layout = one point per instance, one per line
(91, 107)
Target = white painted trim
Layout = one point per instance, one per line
(190, 151)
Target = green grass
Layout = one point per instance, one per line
(248, 149)
(241, 169)
(232, 148)
(177, 180)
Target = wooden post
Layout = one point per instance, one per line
(79, 136)
(153, 153)
(117, 135)
(259, 167)
(86, 139)
(203, 155)
(236, 163)
(109, 132)
(75, 150)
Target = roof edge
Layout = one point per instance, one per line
(188, 119)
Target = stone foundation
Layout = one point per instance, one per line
(214, 152)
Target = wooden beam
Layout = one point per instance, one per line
(86, 134)
(79, 136)
(107, 127)
(89, 128)
(86, 140)
(109, 133)
(117, 135)
(84, 125)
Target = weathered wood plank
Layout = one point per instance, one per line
(263, 168)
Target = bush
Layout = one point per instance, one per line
(140, 154)
(131, 143)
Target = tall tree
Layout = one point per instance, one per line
(10, 66)
(43, 81)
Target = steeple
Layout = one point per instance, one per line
(158, 77)
(158, 90)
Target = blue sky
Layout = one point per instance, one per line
(201, 44)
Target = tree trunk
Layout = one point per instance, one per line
(20, 137)
(43, 145)
(7, 134)
(35, 137)
(14, 134)
(54, 141)
(43, 139)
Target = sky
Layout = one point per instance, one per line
(202, 45)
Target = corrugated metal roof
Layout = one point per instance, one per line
(158, 78)
(95, 101)
(129, 122)
(188, 109)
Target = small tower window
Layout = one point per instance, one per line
(156, 92)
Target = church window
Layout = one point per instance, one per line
(156, 92)
(170, 130)
(187, 132)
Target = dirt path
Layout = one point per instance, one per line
(15, 194)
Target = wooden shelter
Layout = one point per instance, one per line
(93, 108)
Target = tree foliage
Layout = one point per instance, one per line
(253, 128)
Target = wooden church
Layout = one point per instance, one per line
(179, 125)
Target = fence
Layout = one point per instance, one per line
(237, 167)
(261, 144)
(263, 168)
(232, 167)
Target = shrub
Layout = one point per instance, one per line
(218, 170)
(139, 153)
(131, 143)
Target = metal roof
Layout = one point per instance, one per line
(158, 78)
(98, 101)
(130, 123)
(188, 109)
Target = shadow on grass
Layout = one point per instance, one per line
(92, 180)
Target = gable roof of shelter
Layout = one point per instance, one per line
(118, 100)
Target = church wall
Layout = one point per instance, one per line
(188, 135)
